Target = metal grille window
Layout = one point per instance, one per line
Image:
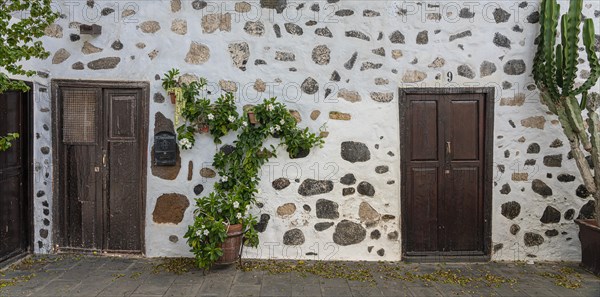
(79, 115)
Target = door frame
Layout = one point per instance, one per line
(28, 172)
(489, 94)
(59, 221)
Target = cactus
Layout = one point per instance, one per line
(555, 70)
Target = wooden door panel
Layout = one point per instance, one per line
(424, 130)
(422, 216)
(11, 216)
(461, 222)
(464, 139)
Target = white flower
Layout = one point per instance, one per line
(185, 143)
(224, 178)
(199, 233)
(231, 118)
(270, 107)
(277, 128)
(258, 191)
(271, 129)
(282, 121)
(219, 210)
(236, 204)
(238, 215)
(210, 116)
(247, 207)
(245, 123)
(202, 227)
(206, 232)
(252, 179)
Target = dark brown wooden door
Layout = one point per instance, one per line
(444, 167)
(14, 191)
(101, 144)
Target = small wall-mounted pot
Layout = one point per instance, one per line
(203, 128)
(173, 97)
(252, 118)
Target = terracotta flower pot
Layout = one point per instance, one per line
(589, 235)
(173, 97)
(232, 245)
(252, 118)
(204, 128)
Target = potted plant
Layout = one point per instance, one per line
(170, 84)
(555, 71)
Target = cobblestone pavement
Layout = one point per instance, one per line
(76, 275)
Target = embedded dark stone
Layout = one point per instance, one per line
(74, 37)
(310, 187)
(511, 209)
(506, 153)
(551, 233)
(159, 98)
(350, 63)
(551, 215)
(335, 76)
(501, 40)
(170, 208)
(370, 248)
(523, 4)
(260, 62)
(40, 194)
(45, 204)
(533, 239)
(311, 23)
(278, 5)
(423, 37)
(370, 13)
(355, 152)
(397, 37)
(393, 235)
(379, 51)
(541, 188)
(327, 209)
(501, 15)
(293, 29)
(198, 5)
(344, 12)
(104, 63)
(348, 191)
(514, 229)
(365, 188)
(310, 86)
(569, 214)
(533, 148)
(173, 238)
(505, 189)
(254, 28)
(44, 233)
(325, 32)
(487, 68)
(534, 17)
(553, 160)
(280, 183)
(388, 217)
(315, 7)
(370, 65)
(382, 169)
(227, 149)
(375, 234)
(293, 237)
(348, 179)
(348, 233)
(198, 189)
(549, 175)
(517, 29)
(464, 34)
(45, 150)
(465, 13)
(466, 71)
(582, 192)
(46, 212)
(381, 252)
(106, 11)
(277, 30)
(306, 207)
(530, 162)
(323, 226)
(512, 124)
(587, 211)
(515, 67)
(46, 222)
(501, 168)
(556, 143)
(117, 45)
(261, 226)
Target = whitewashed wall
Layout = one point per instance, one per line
(482, 43)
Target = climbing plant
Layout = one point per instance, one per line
(17, 38)
(239, 168)
(5, 141)
(555, 71)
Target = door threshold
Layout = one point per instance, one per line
(96, 252)
(446, 259)
(13, 260)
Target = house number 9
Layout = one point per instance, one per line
(450, 76)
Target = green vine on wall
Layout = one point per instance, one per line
(235, 193)
(5, 141)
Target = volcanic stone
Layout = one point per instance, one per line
(323, 226)
(348, 179)
(551, 215)
(355, 152)
(327, 209)
(365, 188)
(511, 209)
(541, 188)
(533, 239)
(348, 233)
(310, 187)
(293, 237)
(170, 208)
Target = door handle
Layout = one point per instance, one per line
(104, 158)
(448, 148)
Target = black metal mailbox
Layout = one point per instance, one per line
(165, 149)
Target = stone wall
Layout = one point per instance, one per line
(339, 65)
